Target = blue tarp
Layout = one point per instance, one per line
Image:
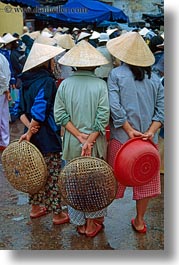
(87, 11)
(77, 11)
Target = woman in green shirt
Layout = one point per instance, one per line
(82, 108)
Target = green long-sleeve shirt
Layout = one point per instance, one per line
(82, 99)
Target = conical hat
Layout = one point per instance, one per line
(46, 34)
(83, 35)
(143, 31)
(45, 40)
(39, 54)
(95, 35)
(34, 35)
(65, 41)
(8, 38)
(1, 40)
(131, 49)
(83, 54)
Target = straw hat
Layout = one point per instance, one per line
(143, 31)
(83, 54)
(46, 34)
(34, 35)
(1, 40)
(131, 49)
(75, 29)
(39, 54)
(8, 38)
(110, 31)
(104, 37)
(95, 35)
(45, 40)
(83, 35)
(65, 41)
(65, 29)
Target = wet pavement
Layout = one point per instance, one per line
(19, 232)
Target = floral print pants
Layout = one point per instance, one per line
(50, 195)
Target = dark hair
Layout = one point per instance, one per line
(156, 40)
(139, 72)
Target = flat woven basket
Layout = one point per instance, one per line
(87, 184)
(24, 167)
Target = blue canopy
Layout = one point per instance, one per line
(78, 11)
(87, 11)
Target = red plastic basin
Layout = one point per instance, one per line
(137, 162)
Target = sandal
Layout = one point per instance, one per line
(62, 221)
(143, 230)
(43, 211)
(99, 227)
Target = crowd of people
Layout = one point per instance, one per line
(83, 81)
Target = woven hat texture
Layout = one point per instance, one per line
(65, 41)
(83, 54)
(131, 49)
(39, 54)
(87, 184)
(24, 167)
(45, 40)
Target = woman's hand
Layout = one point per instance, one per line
(87, 149)
(82, 137)
(26, 136)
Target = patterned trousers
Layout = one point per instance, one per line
(50, 195)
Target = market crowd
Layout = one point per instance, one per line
(69, 88)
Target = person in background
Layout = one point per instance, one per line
(36, 113)
(136, 98)
(5, 97)
(103, 70)
(82, 108)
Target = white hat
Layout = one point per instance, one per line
(131, 49)
(34, 35)
(39, 54)
(104, 37)
(65, 40)
(110, 31)
(1, 40)
(46, 34)
(8, 38)
(83, 35)
(143, 31)
(83, 54)
(75, 29)
(95, 35)
(65, 29)
(45, 40)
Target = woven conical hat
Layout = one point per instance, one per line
(65, 41)
(83, 54)
(39, 54)
(131, 49)
(83, 35)
(1, 40)
(34, 34)
(8, 38)
(45, 40)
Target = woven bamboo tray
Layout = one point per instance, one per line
(87, 184)
(24, 167)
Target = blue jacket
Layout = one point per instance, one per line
(36, 101)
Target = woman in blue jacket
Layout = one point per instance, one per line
(36, 112)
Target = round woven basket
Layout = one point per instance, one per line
(24, 167)
(87, 184)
